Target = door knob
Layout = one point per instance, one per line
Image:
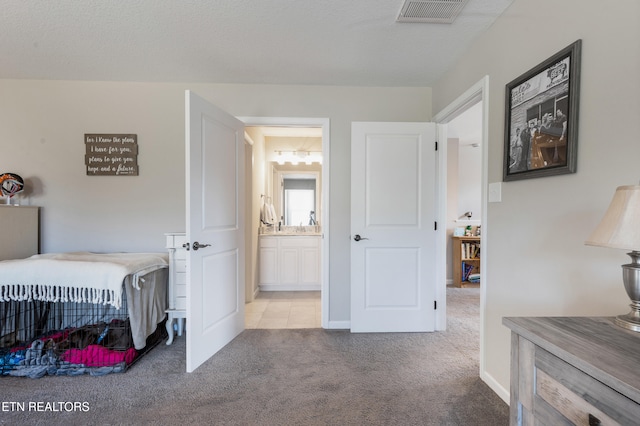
(358, 237)
(196, 245)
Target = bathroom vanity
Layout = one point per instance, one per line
(290, 261)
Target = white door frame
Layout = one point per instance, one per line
(479, 92)
(249, 255)
(324, 123)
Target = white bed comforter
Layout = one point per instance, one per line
(75, 277)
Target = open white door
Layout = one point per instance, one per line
(215, 229)
(393, 240)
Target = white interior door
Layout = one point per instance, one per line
(215, 229)
(393, 240)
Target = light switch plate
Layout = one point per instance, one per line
(495, 192)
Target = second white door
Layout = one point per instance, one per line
(393, 236)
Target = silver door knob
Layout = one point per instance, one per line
(196, 245)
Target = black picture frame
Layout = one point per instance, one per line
(541, 118)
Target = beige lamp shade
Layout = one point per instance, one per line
(620, 226)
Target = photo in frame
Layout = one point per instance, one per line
(541, 123)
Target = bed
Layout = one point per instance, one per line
(81, 312)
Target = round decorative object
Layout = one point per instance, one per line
(10, 184)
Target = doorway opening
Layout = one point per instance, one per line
(476, 96)
(464, 198)
(287, 279)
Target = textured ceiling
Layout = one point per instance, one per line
(317, 42)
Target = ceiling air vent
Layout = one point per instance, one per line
(431, 11)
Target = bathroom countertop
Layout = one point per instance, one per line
(292, 234)
(291, 231)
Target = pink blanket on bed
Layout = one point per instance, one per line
(98, 356)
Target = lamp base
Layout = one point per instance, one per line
(629, 321)
(631, 279)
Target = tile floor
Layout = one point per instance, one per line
(284, 309)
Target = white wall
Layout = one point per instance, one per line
(42, 124)
(467, 129)
(537, 263)
(469, 181)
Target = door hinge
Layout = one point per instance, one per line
(435, 226)
(436, 145)
(435, 304)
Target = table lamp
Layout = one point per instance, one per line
(620, 228)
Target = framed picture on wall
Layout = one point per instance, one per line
(541, 123)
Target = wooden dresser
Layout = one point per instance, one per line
(573, 370)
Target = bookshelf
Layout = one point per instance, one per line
(466, 260)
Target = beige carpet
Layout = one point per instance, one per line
(285, 377)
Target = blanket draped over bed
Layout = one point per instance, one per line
(84, 277)
(75, 277)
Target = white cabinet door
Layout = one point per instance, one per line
(268, 265)
(309, 265)
(268, 262)
(289, 265)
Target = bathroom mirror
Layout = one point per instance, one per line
(296, 194)
(299, 199)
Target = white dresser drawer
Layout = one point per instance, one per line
(180, 279)
(268, 241)
(181, 254)
(181, 290)
(175, 240)
(180, 265)
(298, 241)
(181, 304)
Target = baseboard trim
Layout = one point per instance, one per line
(495, 386)
(339, 325)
